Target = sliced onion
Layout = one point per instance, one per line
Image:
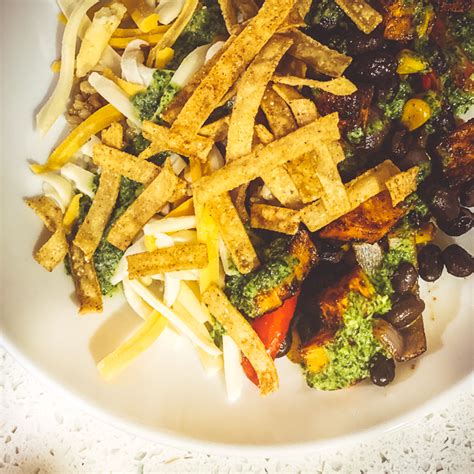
(390, 339)
(82, 179)
(57, 188)
(121, 271)
(169, 10)
(177, 163)
(172, 286)
(234, 375)
(213, 50)
(132, 64)
(368, 256)
(190, 65)
(140, 307)
(88, 148)
(169, 224)
(216, 160)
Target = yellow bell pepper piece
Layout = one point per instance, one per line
(99, 120)
(139, 342)
(128, 87)
(128, 32)
(186, 208)
(142, 14)
(122, 43)
(62, 18)
(56, 66)
(150, 243)
(410, 63)
(425, 234)
(163, 57)
(72, 213)
(416, 112)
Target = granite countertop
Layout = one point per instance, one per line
(42, 433)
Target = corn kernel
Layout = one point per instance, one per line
(416, 112)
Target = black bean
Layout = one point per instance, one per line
(405, 311)
(444, 204)
(414, 157)
(458, 261)
(330, 253)
(467, 194)
(400, 143)
(374, 67)
(285, 345)
(360, 43)
(430, 264)
(459, 226)
(404, 278)
(382, 370)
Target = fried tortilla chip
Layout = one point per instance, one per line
(90, 232)
(403, 184)
(244, 336)
(113, 136)
(303, 109)
(164, 139)
(336, 151)
(261, 159)
(274, 218)
(303, 174)
(168, 259)
(250, 92)
(233, 233)
(248, 8)
(361, 13)
(282, 186)
(229, 13)
(217, 131)
(291, 66)
(85, 281)
(263, 135)
(148, 203)
(54, 250)
(337, 86)
(320, 57)
(124, 164)
(230, 66)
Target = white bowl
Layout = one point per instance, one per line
(165, 394)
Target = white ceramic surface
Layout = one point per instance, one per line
(165, 394)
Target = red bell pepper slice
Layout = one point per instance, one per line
(272, 329)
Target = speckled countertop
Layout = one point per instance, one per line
(42, 433)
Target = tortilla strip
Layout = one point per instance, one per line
(248, 8)
(85, 281)
(303, 173)
(165, 139)
(274, 218)
(217, 131)
(281, 185)
(361, 13)
(113, 136)
(261, 159)
(263, 134)
(169, 259)
(244, 336)
(89, 234)
(250, 92)
(337, 86)
(160, 191)
(172, 34)
(336, 151)
(402, 185)
(228, 13)
(315, 215)
(303, 109)
(291, 66)
(320, 57)
(54, 250)
(303, 7)
(233, 233)
(124, 164)
(230, 66)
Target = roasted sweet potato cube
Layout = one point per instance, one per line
(454, 6)
(398, 20)
(457, 154)
(369, 222)
(313, 354)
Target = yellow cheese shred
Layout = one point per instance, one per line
(72, 213)
(128, 87)
(142, 14)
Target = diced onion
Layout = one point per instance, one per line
(190, 65)
(133, 69)
(169, 224)
(168, 10)
(233, 372)
(83, 179)
(57, 188)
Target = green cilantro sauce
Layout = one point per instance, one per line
(393, 108)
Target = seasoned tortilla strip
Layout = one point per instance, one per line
(361, 13)
(54, 250)
(228, 13)
(303, 173)
(282, 186)
(303, 109)
(250, 92)
(261, 159)
(150, 201)
(231, 65)
(248, 8)
(303, 7)
(263, 135)
(244, 336)
(164, 139)
(315, 215)
(217, 130)
(89, 234)
(320, 57)
(402, 185)
(169, 259)
(113, 136)
(336, 151)
(292, 66)
(337, 86)
(233, 233)
(124, 164)
(85, 281)
(274, 218)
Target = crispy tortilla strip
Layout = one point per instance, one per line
(304, 110)
(113, 136)
(172, 34)
(361, 13)
(233, 233)
(274, 218)
(164, 139)
(336, 151)
(263, 135)
(337, 86)
(303, 7)
(169, 259)
(248, 8)
(217, 131)
(261, 159)
(244, 336)
(403, 184)
(124, 164)
(54, 250)
(151, 200)
(85, 281)
(89, 234)
(320, 57)
(303, 173)
(282, 186)
(291, 66)
(228, 13)
(230, 66)
(250, 92)
(372, 182)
